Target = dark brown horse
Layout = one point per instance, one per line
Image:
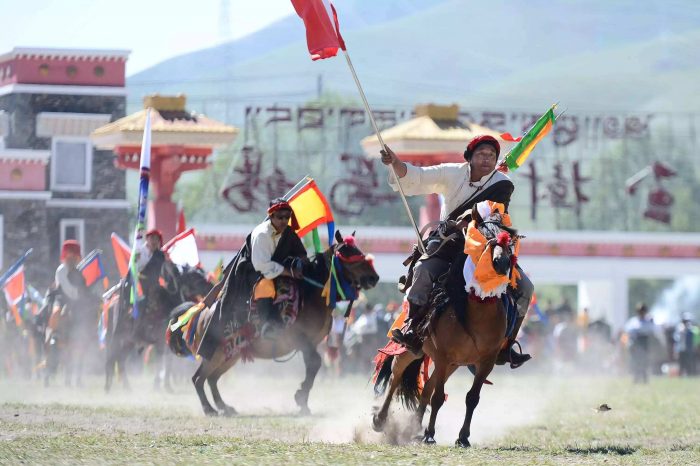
(304, 334)
(470, 339)
(125, 333)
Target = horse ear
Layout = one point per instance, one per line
(338, 236)
(353, 233)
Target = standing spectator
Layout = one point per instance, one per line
(640, 331)
(686, 340)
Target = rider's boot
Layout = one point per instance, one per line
(267, 313)
(508, 353)
(408, 335)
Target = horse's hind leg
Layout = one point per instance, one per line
(400, 364)
(213, 380)
(436, 400)
(472, 400)
(312, 362)
(203, 372)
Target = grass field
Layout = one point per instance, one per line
(523, 419)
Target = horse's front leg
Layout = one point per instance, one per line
(312, 362)
(472, 400)
(427, 392)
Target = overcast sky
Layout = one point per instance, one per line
(152, 30)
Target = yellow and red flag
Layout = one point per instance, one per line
(311, 209)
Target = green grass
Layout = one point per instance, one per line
(654, 424)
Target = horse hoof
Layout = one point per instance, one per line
(211, 413)
(462, 443)
(377, 423)
(429, 439)
(230, 412)
(304, 411)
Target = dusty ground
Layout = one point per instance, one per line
(522, 419)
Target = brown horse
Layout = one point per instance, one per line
(455, 339)
(310, 327)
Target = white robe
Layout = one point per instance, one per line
(451, 180)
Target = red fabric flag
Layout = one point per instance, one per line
(93, 270)
(14, 287)
(122, 253)
(510, 138)
(322, 35)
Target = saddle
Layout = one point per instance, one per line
(445, 242)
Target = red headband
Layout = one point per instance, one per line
(284, 206)
(155, 232)
(70, 246)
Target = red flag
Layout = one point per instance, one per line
(92, 270)
(510, 138)
(14, 286)
(322, 35)
(181, 223)
(122, 253)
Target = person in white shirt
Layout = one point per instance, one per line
(68, 279)
(274, 248)
(462, 185)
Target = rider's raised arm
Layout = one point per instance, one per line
(262, 248)
(423, 180)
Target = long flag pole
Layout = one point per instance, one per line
(145, 170)
(381, 143)
(13, 268)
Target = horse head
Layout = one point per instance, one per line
(193, 284)
(358, 268)
(501, 238)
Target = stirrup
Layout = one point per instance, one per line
(519, 353)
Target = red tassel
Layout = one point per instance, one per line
(503, 239)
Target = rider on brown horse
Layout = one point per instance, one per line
(463, 185)
(150, 263)
(275, 248)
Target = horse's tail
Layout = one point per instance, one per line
(409, 389)
(382, 372)
(175, 339)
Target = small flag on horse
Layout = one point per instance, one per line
(518, 154)
(322, 33)
(182, 249)
(91, 267)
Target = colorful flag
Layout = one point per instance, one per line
(216, 275)
(91, 267)
(182, 249)
(312, 209)
(14, 286)
(122, 252)
(322, 34)
(517, 156)
(145, 170)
